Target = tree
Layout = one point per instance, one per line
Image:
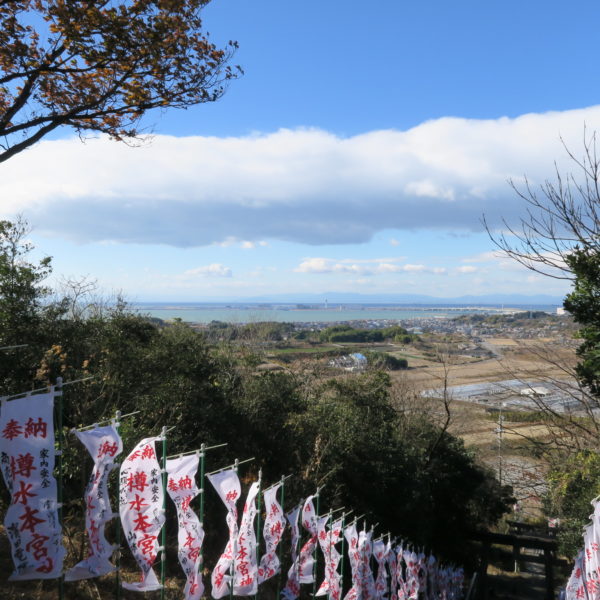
(560, 237)
(562, 216)
(21, 305)
(99, 66)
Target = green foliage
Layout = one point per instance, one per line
(385, 361)
(263, 331)
(21, 306)
(346, 333)
(571, 487)
(584, 304)
(343, 433)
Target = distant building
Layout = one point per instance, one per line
(538, 392)
(350, 362)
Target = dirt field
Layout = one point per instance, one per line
(514, 359)
(512, 461)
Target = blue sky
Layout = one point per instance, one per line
(357, 153)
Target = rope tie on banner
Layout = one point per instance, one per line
(234, 466)
(116, 421)
(14, 347)
(47, 389)
(280, 482)
(198, 451)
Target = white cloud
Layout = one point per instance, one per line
(467, 269)
(484, 257)
(212, 270)
(305, 185)
(363, 267)
(394, 242)
(415, 268)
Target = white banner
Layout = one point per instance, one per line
(351, 536)
(401, 580)
(272, 533)
(323, 540)
(380, 552)
(331, 584)
(412, 574)
(392, 566)
(433, 570)
(367, 584)
(27, 460)
(228, 487)
(103, 444)
(576, 588)
(182, 488)
(306, 560)
(292, 587)
(245, 581)
(141, 501)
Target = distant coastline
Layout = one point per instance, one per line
(300, 312)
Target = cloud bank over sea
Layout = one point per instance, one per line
(306, 186)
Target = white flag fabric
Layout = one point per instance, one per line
(401, 579)
(103, 444)
(141, 500)
(576, 588)
(245, 581)
(591, 540)
(365, 547)
(380, 552)
(182, 488)
(422, 572)
(432, 577)
(351, 536)
(412, 574)
(306, 560)
(458, 582)
(228, 487)
(332, 582)
(27, 460)
(323, 540)
(392, 567)
(272, 533)
(292, 587)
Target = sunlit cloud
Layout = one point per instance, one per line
(365, 267)
(306, 185)
(212, 270)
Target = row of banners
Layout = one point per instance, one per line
(27, 455)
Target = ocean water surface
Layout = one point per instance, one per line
(289, 313)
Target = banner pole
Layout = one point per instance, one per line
(118, 532)
(342, 552)
(258, 509)
(280, 550)
(201, 509)
(387, 566)
(315, 553)
(236, 464)
(58, 394)
(163, 556)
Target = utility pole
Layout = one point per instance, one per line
(499, 431)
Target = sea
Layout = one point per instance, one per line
(203, 313)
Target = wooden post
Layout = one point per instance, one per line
(549, 560)
(517, 557)
(483, 584)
